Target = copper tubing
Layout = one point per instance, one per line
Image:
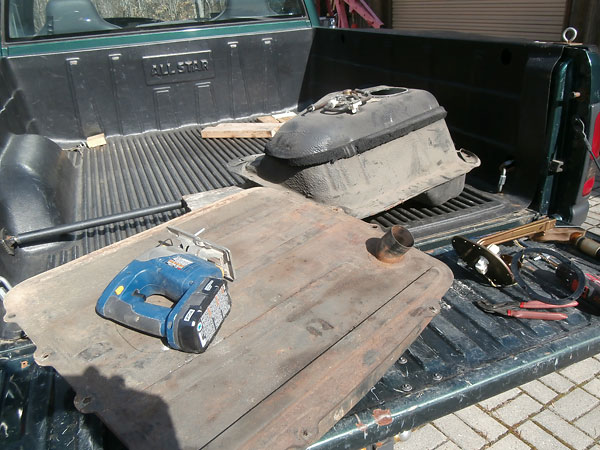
(394, 244)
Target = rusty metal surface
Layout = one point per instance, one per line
(316, 320)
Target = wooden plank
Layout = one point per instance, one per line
(268, 119)
(202, 199)
(284, 116)
(98, 140)
(329, 378)
(315, 321)
(241, 130)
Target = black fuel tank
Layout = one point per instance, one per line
(365, 151)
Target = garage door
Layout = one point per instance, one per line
(535, 19)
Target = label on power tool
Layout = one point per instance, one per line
(178, 262)
(213, 316)
(207, 310)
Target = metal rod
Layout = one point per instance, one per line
(5, 286)
(38, 235)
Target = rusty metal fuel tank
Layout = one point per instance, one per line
(365, 151)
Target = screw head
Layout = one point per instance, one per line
(407, 387)
(402, 360)
(437, 376)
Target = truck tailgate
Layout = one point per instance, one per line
(466, 355)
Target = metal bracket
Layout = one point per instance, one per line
(7, 242)
(569, 35)
(556, 166)
(218, 255)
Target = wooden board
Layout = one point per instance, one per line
(277, 118)
(315, 322)
(267, 119)
(98, 140)
(284, 116)
(241, 130)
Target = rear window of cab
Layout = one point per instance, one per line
(44, 19)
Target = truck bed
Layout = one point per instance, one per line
(157, 167)
(462, 357)
(137, 171)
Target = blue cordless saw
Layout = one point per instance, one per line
(192, 274)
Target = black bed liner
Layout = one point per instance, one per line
(152, 168)
(464, 355)
(148, 169)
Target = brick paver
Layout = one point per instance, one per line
(575, 404)
(538, 438)
(562, 429)
(539, 391)
(425, 438)
(481, 422)
(449, 445)
(557, 411)
(494, 402)
(510, 442)
(582, 371)
(557, 382)
(593, 387)
(459, 432)
(590, 423)
(517, 409)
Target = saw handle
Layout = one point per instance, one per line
(124, 299)
(137, 314)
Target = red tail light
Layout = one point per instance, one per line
(596, 138)
(588, 186)
(589, 183)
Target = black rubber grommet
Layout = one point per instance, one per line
(533, 294)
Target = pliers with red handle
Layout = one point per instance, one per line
(520, 310)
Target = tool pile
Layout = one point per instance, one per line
(529, 266)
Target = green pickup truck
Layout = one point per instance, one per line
(151, 75)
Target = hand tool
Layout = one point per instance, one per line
(192, 275)
(480, 256)
(591, 291)
(512, 309)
